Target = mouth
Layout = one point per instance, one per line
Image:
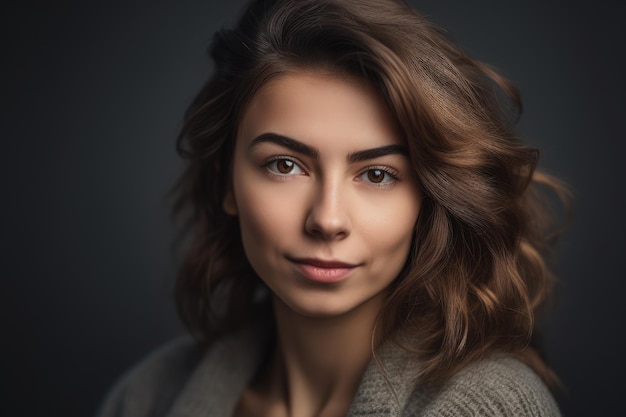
(323, 271)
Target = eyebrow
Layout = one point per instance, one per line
(286, 142)
(309, 151)
(377, 153)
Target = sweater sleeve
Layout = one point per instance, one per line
(149, 389)
(498, 387)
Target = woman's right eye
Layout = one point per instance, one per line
(284, 166)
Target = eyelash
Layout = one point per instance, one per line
(387, 171)
(278, 158)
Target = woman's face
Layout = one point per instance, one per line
(324, 191)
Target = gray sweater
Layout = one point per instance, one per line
(183, 380)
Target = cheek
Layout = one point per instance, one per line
(267, 218)
(390, 245)
(389, 234)
(389, 225)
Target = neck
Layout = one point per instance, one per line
(318, 362)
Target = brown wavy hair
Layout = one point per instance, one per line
(476, 273)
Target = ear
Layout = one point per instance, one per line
(229, 204)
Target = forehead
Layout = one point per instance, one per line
(324, 110)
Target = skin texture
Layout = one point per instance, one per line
(331, 203)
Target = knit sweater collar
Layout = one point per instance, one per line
(222, 375)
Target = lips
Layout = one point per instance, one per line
(323, 271)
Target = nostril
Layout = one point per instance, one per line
(327, 225)
(328, 217)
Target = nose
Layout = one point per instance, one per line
(328, 216)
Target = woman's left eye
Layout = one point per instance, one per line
(284, 166)
(378, 176)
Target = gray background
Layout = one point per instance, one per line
(92, 98)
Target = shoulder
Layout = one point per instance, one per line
(150, 387)
(497, 386)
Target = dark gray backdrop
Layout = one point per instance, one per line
(92, 98)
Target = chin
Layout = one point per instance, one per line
(322, 306)
(323, 311)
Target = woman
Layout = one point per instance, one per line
(366, 236)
